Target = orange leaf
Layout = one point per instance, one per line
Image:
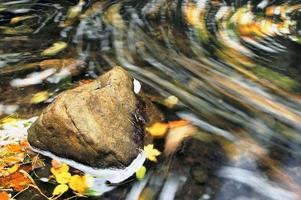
(56, 164)
(16, 181)
(4, 196)
(24, 143)
(178, 123)
(14, 148)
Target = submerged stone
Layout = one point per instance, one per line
(98, 125)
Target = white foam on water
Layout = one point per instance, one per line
(137, 86)
(14, 132)
(114, 175)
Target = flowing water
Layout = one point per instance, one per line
(234, 66)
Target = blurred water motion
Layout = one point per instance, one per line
(233, 65)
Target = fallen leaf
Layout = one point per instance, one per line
(89, 180)
(54, 49)
(39, 97)
(175, 137)
(24, 144)
(4, 196)
(60, 189)
(157, 129)
(141, 173)
(56, 164)
(151, 153)
(13, 169)
(14, 148)
(176, 124)
(17, 19)
(78, 183)
(170, 101)
(63, 168)
(63, 177)
(18, 181)
(73, 13)
(8, 120)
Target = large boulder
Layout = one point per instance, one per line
(99, 124)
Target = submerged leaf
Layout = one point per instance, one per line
(39, 97)
(54, 49)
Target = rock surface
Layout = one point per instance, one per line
(100, 124)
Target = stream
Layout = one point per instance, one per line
(234, 66)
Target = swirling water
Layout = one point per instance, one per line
(234, 65)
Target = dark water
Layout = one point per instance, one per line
(234, 65)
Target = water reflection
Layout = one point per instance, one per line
(234, 66)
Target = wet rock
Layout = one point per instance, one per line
(99, 124)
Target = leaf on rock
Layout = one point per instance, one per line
(60, 189)
(151, 153)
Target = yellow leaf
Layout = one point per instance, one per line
(60, 189)
(63, 168)
(39, 97)
(17, 19)
(13, 169)
(151, 153)
(171, 101)
(157, 129)
(78, 183)
(54, 49)
(141, 173)
(9, 120)
(89, 181)
(63, 177)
